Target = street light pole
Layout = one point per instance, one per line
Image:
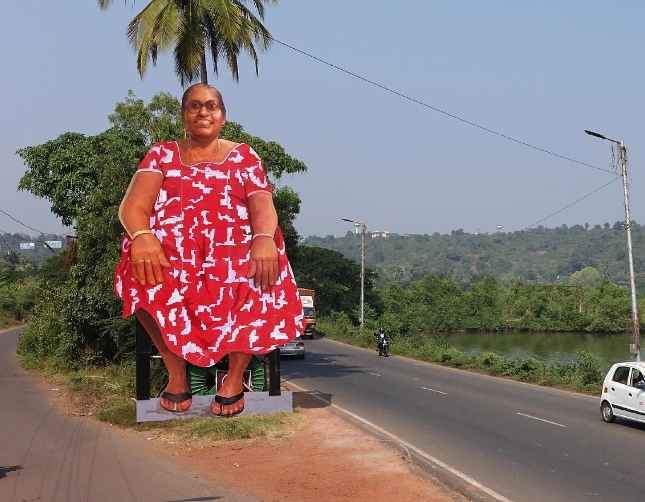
(360, 226)
(635, 347)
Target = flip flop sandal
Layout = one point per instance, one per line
(176, 399)
(227, 401)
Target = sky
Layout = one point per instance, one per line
(389, 104)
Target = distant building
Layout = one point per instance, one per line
(378, 233)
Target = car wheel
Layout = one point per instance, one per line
(606, 413)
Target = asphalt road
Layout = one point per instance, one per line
(524, 442)
(49, 457)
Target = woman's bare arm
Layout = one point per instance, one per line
(263, 266)
(146, 255)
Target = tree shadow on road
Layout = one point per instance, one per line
(311, 399)
(10, 468)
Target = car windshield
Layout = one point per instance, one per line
(309, 312)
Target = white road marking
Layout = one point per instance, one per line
(541, 420)
(371, 373)
(329, 360)
(434, 390)
(409, 446)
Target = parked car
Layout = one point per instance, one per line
(295, 347)
(623, 392)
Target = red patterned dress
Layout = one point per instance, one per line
(205, 307)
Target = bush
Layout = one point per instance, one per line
(588, 369)
(47, 342)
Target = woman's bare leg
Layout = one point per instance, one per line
(176, 366)
(232, 386)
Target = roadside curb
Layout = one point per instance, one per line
(454, 480)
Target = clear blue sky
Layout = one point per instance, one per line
(540, 72)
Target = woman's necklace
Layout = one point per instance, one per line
(190, 151)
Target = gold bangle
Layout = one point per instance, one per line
(260, 234)
(140, 232)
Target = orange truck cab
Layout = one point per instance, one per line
(307, 297)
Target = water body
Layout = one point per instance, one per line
(549, 347)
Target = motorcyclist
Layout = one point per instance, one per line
(381, 337)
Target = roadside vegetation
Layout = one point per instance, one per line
(585, 375)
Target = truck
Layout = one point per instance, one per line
(307, 297)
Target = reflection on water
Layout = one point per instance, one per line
(549, 347)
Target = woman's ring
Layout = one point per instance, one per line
(148, 261)
(139, 261)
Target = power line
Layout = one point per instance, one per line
(438, 110)
(573, 203)
(32, 228)
(23, 224)
(414, 100)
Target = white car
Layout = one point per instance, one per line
(623, 392)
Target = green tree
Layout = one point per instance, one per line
(587, 277)
(159, 120)
(336, 280)
(483, 306)
(194, 28)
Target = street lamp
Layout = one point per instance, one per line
(635, 347)
(359, 226)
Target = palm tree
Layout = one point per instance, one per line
(192, 28)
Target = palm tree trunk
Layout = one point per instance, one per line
(204, 75)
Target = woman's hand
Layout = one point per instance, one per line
(147, 259)
(263, 265)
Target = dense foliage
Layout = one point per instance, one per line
(432, 304)
(541, 255)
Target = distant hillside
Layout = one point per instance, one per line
(32, 248)
(538, 255)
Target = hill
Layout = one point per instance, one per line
(541, 255)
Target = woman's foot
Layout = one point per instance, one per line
(228, 406)
(229, 400)
(179, 402)
(177, 395)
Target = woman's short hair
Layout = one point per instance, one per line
(184, 98)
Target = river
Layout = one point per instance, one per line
(549, 347)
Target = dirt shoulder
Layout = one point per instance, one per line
(328, 459)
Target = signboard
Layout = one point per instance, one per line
(31, 246)
(54, 244)
(307, 301)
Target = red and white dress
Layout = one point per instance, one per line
(205, 307)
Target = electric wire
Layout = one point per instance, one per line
(573, 203)
(23, 224)
(414, 100)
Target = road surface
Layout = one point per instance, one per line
(48, 457)
(525, 443)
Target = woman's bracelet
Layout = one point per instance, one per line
(260, 234)
(140, 232)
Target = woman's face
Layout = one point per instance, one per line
(202, 115)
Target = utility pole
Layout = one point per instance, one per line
(635, 346)
(360, 227)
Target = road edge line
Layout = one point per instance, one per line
(419, 453)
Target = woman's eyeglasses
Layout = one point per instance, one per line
(196, 106)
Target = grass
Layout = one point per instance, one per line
(108, 394)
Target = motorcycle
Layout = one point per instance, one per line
(384, 347)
